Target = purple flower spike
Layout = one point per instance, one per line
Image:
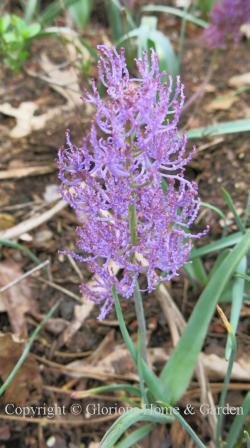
(132, 148)
(227, 17)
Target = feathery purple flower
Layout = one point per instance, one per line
(133, 146)
(227, 17)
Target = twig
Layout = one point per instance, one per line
(18, 173)
(26, 274)
(30, 224)
(75, 267)
(85, 373)
(61, 289)
(60, 421)
(9, 208)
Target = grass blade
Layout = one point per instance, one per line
(113, 9)
(216, 210)
(130, 418)
(80, 12)
(228, 127)
(230, 203)
(188, 429)
(220, 420)
(196, 271)
(238, 423)
(27, 349)
(178, 370)
(247, 211)
(54, 9)
(30, 9)
(222, 243)
(134, 437)
(176, 12)
(237, 300)
(21, 248)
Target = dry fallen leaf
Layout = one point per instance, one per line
(222, 103)
(18, 299)
(216, 367)
(6, 221)
(240, 80)
(81, 313)
(116, 363)
(26, 119)
(64, 81)
(27, 384)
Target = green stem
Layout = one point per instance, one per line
(218, 438)
(139, 310)
(125, 334)
(144, 397)
(132, 224)
(137, 295)
(149, 376)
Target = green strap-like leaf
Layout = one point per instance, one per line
(230, 203)
(229, 127)
(176, 12)
(237, 300)
(128, 419)
(196, 271)
(220, 420)
(135, 436)
(54, 9)
(216, 210)
(178, 371)
(238, 423)
(222, 243)
(147, 34)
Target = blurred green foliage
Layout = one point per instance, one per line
(15, 39)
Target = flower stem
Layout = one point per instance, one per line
(141, 321)
(132, 224)
(137, 294)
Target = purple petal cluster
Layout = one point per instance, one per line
(227, 17)
(132, 148)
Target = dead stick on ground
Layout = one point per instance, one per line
(60, 421)
(61, 289)
(18, 173)
(32, 223)
(27, 274)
